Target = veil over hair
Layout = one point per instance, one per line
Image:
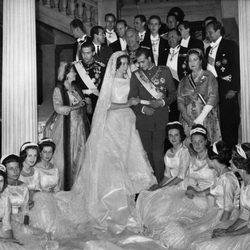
(86, 185)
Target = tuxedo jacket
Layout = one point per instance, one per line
(163, 45)
(161, 77)
(195, 43)
(182, 67)
(227, 66)
(104, 54)
(116, 46)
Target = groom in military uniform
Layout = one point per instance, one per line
(156, 90)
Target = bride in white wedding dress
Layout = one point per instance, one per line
(98, 213)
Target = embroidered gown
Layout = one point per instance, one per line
(207, 86)
(156, 209)
(78, 132)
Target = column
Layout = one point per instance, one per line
(244, 38)
(19, 90)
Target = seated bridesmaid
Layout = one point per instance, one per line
(5, 206)
(236, 236)
(49, 176)
(177, 158)
(16, 190)
(226, 190)
(29, 153)
(155, 209)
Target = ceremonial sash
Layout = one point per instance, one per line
(193, 85)
(84, 76)
(148, 85)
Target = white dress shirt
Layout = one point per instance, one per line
(184, 42)
(155, 41)
(141, 36)
(212, 56)
(172, 61)
(110, 36)
(123, 43)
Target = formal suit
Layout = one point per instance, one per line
(163, 45)
(104, 54)
(181, 72)
(152, 128)
(226, 65)
(195, 43)
(116, 46)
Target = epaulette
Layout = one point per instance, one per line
(100, 63)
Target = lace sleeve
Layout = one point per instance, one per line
(58, 103)
(184, 163)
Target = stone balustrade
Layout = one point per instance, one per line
(85, 10)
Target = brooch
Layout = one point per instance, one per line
(224, 61)
(218, 63)
(162, 80)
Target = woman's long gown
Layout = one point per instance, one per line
(182, 233)
(115, 168)
(239, 242)
(156, 209)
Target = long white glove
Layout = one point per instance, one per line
(200, 119)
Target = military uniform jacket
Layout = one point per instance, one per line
(161, 77)
(226, 64)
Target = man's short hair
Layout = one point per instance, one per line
(216, 25)
(88, 45)
(185, 24)
(77, 23)
(122, 21)
(95, 31)
(142, 18)
(110, 14)
(176, 30)
(154, 17)
(143, 51)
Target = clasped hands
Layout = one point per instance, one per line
(154, 104)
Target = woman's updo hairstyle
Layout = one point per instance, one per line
(63, 71)
(199, 129)
(221, 152)
(119, 61)
(47, 142)
(3, 172)
(199, 53)
(25, 147)
(241, 156)
(177, 125)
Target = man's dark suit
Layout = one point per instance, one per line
(104, 54)
(195, 43)
(181, 72)
(116, 46)
(75, 46)
(163, 45)
(152, 128)
(226, 64)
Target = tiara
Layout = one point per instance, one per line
(240, 151)
(215, 148)
(3, 158)
(28, 144)
(45, 140)
(198, 130)
(173, 123)
(2, 168)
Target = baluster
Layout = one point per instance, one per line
(56, 4)
(94, 17)
(47, 3)
(88, 14)
(64, 6)
(72, 7)
(80, 9)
